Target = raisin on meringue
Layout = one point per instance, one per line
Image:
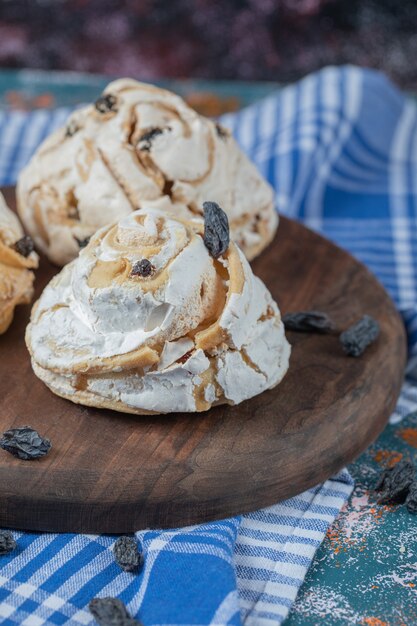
(139, 146)
(17, 258)
(193, 331)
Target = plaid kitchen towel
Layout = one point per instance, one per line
(340, 149)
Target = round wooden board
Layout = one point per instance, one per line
(116, 473)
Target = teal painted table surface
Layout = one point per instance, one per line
(26, 89)
(365, 572)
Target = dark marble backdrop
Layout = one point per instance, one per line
(245, 39)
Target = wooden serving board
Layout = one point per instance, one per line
(116, 473)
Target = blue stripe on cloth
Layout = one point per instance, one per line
(340, 149)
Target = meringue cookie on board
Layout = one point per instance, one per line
(16, 279)
(194, 332)
(139, 145)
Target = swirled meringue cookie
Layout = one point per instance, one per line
(16, 260)
(146, 321)
(139, 145)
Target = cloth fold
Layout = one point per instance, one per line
(340, 149)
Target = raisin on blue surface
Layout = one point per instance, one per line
(7, 543)
(25, 443)
(358, 337)
(394, 483)
(127, 554)
(111, 612)
(308, 322)
(216, 229)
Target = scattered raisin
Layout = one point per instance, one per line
(24, 246)
(216, 229)
(82, 243)
(127, 554)
(411, 500)
(359, 336)
(107, 103)
(184, 358)
(7, 543)
(72, 128)
(25, 443)
(142, 268)
(308, 321)
(222, 132)
(111, 612)
(394, 483)
(146, 139)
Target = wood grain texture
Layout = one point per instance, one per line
(109, 472)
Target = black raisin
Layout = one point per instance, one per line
(394, 483)
(146, 139)
(358, 337)
(106, 103)
(308, 321)
(222, 132)
(7, 543)
(142, 268)
(111, 612)
(72, 128)
(82, 243)
(24, 246)
(25, 443)
(127, 554)
(216, 229)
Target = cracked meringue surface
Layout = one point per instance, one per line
(146, 321)
(16, 279)
(139, 145)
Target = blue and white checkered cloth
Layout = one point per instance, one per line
(340, 149)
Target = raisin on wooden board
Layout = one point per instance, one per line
(395, 482)
(25, 443)
(308, 322)
(216, 229)
(127, 554)
(358, 337)
(7, 543)
(111, 612)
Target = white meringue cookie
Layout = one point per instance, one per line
(149, 149)
(16, 279)
(188, 332)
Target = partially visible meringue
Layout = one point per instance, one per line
(154, 324)
(16, 260)
(139, 146)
